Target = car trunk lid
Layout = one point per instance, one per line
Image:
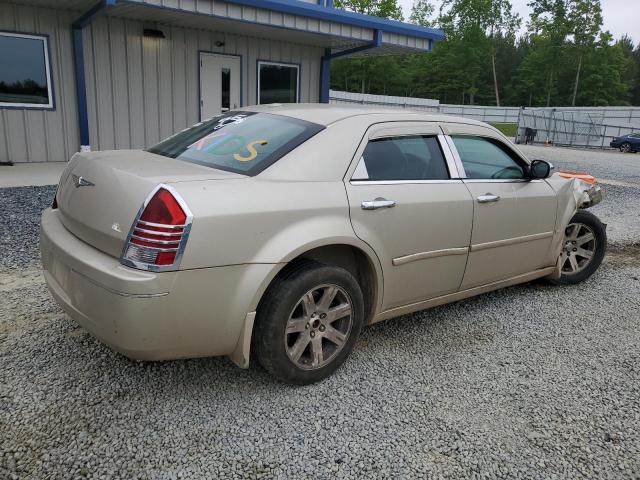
(100, 193)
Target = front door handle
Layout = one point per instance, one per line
(488, 198)
(378, 203)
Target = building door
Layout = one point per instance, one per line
(219, 84)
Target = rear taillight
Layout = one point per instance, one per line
(159, 233)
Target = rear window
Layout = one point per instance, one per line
(240, 142)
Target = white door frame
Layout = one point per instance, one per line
(201, 55)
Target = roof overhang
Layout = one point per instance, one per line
(294, 21)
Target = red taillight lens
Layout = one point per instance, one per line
(159, 233)
(164, 208)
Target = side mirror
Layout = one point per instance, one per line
(540, 169)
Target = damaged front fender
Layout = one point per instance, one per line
(586, 190)
(574, 191)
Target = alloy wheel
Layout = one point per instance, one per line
(625, 148)
(579, 248)
(318, 327)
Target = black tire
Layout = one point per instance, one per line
(600, 246)
(279, 304)
(625, 147)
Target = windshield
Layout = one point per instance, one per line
(240, 142)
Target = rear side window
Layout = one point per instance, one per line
(240, 142)
(415, 157)
(487, 158)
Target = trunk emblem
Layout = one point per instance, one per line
(79, 181)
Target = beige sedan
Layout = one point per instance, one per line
(282, 230)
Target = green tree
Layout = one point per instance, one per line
(421, 12)
(360, 73)
(474, 28)
(585, 18)
(603, 80)
(378, 8)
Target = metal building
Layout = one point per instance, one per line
(118, 74)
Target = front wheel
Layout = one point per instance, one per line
(625, 147)
(584, 247)
(308, 322)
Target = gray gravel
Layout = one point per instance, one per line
(533, 381)
(19, 222)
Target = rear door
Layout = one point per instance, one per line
(407, 202)
(514, 217)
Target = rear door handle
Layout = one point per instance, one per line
(378, 203)
(488, 198)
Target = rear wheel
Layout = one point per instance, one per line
(625, 147)
(584, 247)
(308, 322)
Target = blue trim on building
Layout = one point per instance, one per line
(325, 76)
(329, 14)
(325, 63)
(78, 63)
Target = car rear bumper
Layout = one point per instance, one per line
(145, 315)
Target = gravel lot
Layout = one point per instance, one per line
(534, 381)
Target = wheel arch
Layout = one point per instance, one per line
(356, 257)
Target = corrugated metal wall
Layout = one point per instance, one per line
(40, 135)
(145, 89)
(139, 89)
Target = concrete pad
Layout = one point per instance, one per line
(31, 174)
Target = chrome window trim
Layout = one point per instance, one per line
(454, 173)
(451, 167)
(515, 152)
(401, 182)
(501, 180)
(186, 229)
(456, 157)
(361, 170)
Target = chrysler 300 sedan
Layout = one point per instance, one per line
(282, 230)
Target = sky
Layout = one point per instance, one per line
(620, 16)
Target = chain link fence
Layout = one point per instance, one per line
(569, 128)
(592, 127)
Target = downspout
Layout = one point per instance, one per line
(325, 64)
(78, 62)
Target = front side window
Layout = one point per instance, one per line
(25, 74)
(278, 83)
(415, 157)
(487, 158)
(240, 142)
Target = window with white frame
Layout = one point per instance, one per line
(25, 72)
(278, 82)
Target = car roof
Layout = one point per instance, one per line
(325, 114)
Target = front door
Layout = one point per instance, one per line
(514, 217)
(407, 203)
(219, 84)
